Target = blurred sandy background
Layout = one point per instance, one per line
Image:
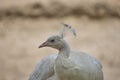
(25, 24)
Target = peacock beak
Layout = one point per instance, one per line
(43, 45)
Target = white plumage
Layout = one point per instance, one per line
(67, 65)
(44, 69)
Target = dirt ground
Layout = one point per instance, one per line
(25, 24)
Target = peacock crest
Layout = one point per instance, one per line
(66, 28)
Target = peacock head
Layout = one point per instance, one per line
(57, 41)
(54, 41)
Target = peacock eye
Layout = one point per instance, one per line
(52, 40)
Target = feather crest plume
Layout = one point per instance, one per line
(66, 28)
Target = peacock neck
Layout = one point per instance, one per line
(64, 51)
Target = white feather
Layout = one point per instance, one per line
(67, 28)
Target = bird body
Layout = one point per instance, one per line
(79, 66)
(45, 68)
